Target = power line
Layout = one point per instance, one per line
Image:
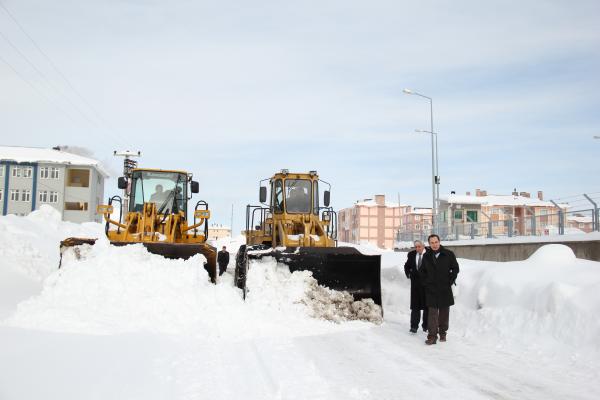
(116, 136)
(40, 93)
(44, 77)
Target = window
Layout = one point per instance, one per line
(26, 195)
(1, 171)
(44, 172)
(297, 196)
(43, 196)
(27, 172)
(16, 172)
(1, 194)
(54, 173)
(471, 216)
(278, 196)
(417, 217)
(76, 206)
(458, 215)
(417, 226)
(14, 195)
(78, 178)
(53, 197)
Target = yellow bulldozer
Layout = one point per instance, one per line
(298, 231)
(157, 217)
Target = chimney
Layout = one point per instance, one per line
(468, 193)
(514, 192)
(380, 199)
(484, 192)
(540, 195)
(478, 192)
(524, 194)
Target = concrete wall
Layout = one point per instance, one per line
(589, 250)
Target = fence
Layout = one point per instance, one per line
(578, 220)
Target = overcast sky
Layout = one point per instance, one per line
(235, 90)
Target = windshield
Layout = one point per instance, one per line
(165, 189)
(297, 196)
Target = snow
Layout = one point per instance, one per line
(498, 200)
(577, 236)
(123, 323)
(51, 156)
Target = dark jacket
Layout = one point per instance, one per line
(417, 290)
(223, 258)
(438, 275)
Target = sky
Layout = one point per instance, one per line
(234, 91)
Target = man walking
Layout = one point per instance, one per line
(412, 269)
(438, 273)
(223, 260)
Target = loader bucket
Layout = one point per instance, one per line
(338, 268)
(182, 251)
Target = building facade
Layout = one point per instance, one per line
(371, 220)
(217, 231)
(31, 177)
(514, 214)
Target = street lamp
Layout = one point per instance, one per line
(435, 179)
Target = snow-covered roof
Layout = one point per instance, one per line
(40, 155)
(498, 200)
(422, 211)
(372, 203)
(580, 219)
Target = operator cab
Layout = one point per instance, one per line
(166, 189)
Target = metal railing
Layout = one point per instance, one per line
(578, 220)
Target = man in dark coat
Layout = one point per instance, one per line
(223, 260)
(412, 267)
(438, 273)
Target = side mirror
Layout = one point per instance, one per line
(326, 198)
(195, 187)
(122, 183)
(263, 194)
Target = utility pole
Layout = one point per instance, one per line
(231, 225)
(128, 165)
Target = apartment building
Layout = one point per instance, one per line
(218, 231)
(30, 177)
(518, 212)
(581, 222)
(371, 220)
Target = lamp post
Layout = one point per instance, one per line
(435, 179)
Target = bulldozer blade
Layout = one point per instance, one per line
(183, 251)
(338, 268)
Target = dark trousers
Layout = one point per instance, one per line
(438, 321)
(222, 269)
(415, 318)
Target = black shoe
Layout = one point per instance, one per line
(424, 329)
(413, 330)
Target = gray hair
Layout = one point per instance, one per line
(416, 242)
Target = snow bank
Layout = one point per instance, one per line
(545, 302)
(112, 290)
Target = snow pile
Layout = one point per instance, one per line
(30, 245)
(547, 298)
(271, 284)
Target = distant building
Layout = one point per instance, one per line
(30, 177)
(579, 221)
(371, 220)
(518, 212)
(216, 231)
(415, 219)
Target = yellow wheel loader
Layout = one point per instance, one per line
(157, 217)
(294, 228)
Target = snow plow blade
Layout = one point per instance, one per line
(338, 268)
(167, 250)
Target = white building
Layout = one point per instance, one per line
(30, 177)
(217, 231)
